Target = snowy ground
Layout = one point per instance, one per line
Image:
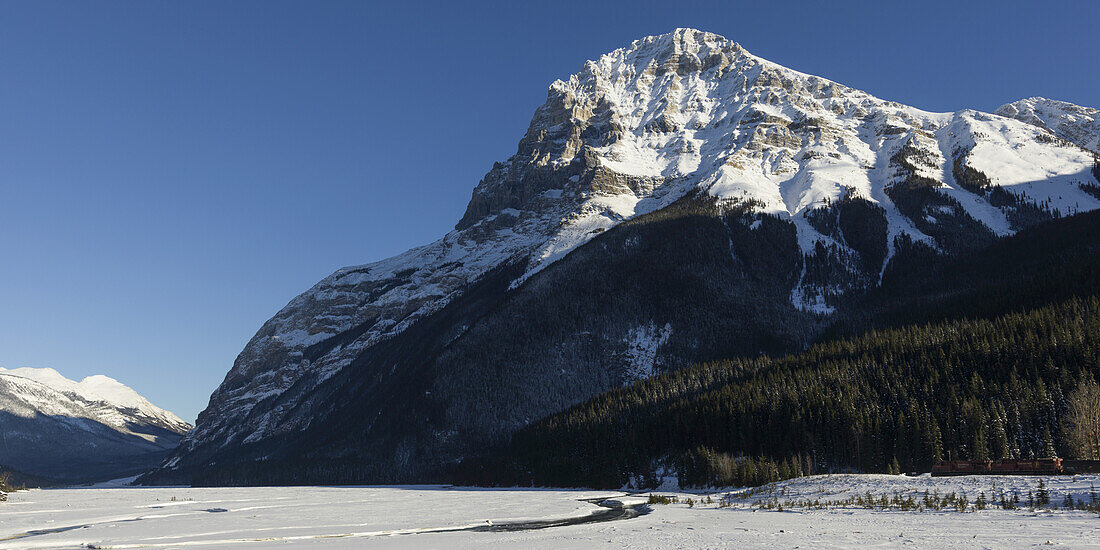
(440, 517)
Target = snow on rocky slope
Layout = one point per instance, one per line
(631, 133)
(54, 427)
(1073, 123)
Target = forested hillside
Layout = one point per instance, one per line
(980, 363)
(1041, 265)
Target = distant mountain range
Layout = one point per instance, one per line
(56, 429)
(676, 201)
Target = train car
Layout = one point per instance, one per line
(1027, 467)
(1036, 466)
(961, 467)
(1081, 466)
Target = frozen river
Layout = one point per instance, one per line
(443, 517)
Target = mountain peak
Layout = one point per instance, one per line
(42, 374)
(99, 388)
(681, 51)
(687, 121)
(683, 39)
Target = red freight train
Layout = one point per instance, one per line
(998, 467)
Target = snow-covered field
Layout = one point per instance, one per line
(443, 517)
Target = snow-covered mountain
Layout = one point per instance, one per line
(1079, 125)
(792, 192)
(61, 429)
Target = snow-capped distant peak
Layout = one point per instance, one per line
(100, 389)
(43, 375)
(98, 428)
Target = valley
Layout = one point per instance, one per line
(776, 515)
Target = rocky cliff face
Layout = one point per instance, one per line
(680, 174)
(95, 429)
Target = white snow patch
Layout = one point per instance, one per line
(642, 344)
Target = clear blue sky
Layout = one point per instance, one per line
(172, 173)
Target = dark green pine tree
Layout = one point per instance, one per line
(1000, 437)
(1048, 445)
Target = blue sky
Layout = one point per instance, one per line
(172, 173)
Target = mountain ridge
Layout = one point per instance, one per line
(60, 429)
(1073, 123)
